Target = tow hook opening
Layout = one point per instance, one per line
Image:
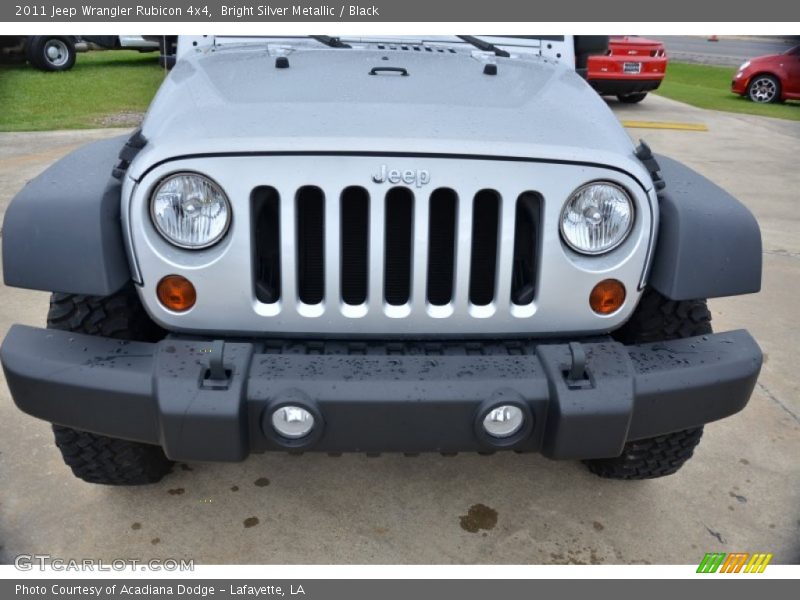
(216, 376)
(577, 377)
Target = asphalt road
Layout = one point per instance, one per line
(728, 51)
(741, 491)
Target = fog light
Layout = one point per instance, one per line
(176, 293)
(607, 296)
(503, 421)
(292, 422)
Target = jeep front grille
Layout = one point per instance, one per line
(326, 246)
(417, 253)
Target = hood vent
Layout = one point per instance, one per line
(415, 48)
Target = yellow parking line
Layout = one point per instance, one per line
(665, 125)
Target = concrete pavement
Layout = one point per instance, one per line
(741, 492)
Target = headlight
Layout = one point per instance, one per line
(745, 64)
(190, 210)
(596, 218)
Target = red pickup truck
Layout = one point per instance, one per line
(631, 67)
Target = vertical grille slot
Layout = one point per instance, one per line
(399, 230)
(265, 207)
(310, 211)
(441, 246)
(526, 247)
(355, 244)
(483, 263)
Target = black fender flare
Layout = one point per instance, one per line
(708, 243)
(62, 232)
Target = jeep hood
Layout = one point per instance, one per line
(236, 100)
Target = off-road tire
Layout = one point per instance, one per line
(632, 98)
(657, 319)
(118, 316)
(109, 461)
(649, 458)
(98, 458)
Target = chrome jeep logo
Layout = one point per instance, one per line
(415, 177)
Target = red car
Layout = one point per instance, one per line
(771, 78)
(632, 67)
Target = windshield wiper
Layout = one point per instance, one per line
(484, 45)
(333, 42)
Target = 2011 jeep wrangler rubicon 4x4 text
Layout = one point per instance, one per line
(398, 246)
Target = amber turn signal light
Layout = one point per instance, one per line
(176, 293)
(607, 296)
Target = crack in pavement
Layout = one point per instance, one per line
(715, 534)
(782, 253)
(777, 401)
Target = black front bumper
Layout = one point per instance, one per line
(430, 398)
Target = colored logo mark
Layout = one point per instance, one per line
(736, 562)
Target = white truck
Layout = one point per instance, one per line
(59, 52)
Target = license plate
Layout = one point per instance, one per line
(632, 67)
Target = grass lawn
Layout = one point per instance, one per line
(710, 87)
(104, 85)
(100, 85)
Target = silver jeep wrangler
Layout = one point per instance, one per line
(323, 244)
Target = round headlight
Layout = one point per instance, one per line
(190, 210)
(596, 218)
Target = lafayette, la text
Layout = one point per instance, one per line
(150, 589)
(241, 11)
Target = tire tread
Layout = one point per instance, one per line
(109, 461)
(92, 457)
(649, 458)
(657, 319)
